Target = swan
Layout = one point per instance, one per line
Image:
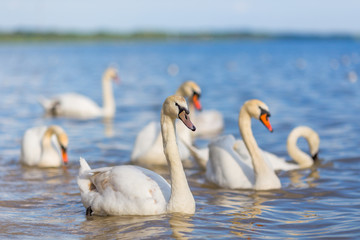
(40, 149)
(148, 149)
(226, 167)
(74, 105)
(133, 190)
(302, 159)
(210, 122)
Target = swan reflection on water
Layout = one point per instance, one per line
(242, 208)
(108, 127)
(304, 178)
(46, 175)
(133, 227)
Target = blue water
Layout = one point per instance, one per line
(304, 82)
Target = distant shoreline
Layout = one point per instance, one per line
(31, 36)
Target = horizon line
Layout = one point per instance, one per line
(30, 34)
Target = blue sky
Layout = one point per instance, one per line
(314, 16)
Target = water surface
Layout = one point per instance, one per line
(307, 82)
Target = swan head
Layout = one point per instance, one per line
(259, 110)
(314, 144)
(192, 91)
(176, 107)
(62, 138)
(111, 73)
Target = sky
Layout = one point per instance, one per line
(271, 16)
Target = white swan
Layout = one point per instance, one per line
(227, 169)
(39, 148)
(302, 159)
(133, 190)
(148, 149)
(74, 105)
(210, 122)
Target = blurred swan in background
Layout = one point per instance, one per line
(210, 122)
(302, 159)
(40, 148)
(74, 105)
(228, 168)
(133, 190)
(148, 149)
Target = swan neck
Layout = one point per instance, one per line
(49, 155)
(265, 177)
(192, 110)
(108, 97)
(303, 159)
(181, 199)
(179, 92)
(250, 142)
(46, 140)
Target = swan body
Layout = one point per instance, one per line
(40, 148)
(302, 159)
(108, 192)
(210, 122)
(133, 190)
(74, 105)
(228, 169)
(148, 149)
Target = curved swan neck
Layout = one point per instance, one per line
(181, 199)
(265, 177)
(250, 142)
(46, 140)
(50, 156)
(108, 97)
(303, 159)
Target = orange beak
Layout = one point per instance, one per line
(64, 155)
(264, 118)
(196, 102)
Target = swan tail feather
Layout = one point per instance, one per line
(45, 103)
(50, 106)
(83, 179)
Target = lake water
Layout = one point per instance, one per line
(304, 82)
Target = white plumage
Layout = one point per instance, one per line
(123, 190)
(133, 190)
(44, 147)
(148, 149)
(74, 105)
(229, 168)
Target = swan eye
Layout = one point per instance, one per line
(264, 118)
(263, 111)
(63, 148)
(196, 94)
(182, 109)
